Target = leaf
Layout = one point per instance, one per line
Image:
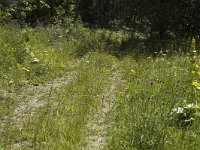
(196, 84)
(19, 65)
(193, 72)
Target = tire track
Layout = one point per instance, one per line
(33, 101)
(97, 127)
(31, 97)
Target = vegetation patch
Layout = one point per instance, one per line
(116, 75)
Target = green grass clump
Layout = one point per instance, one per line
(142, 109)
(27, 57)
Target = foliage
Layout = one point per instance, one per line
(184, 116)
(156, 19)
(194, 60)
(23, 60)
(154, 106)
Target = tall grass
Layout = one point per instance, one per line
(142, 110)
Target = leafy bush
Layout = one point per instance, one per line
(184, 116)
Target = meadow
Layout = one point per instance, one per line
(81, 88)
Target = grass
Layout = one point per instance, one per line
(141, 114)
(57, 79)
(60, 123)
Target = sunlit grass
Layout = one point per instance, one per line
(147, 91)
(141, 114)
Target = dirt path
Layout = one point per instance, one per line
(98, 125)
(32, 96)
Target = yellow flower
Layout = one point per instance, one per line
(196, 84)
(194, 51)
(133, 71)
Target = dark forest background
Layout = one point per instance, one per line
(155, 19)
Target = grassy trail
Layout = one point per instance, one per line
(54, 115)
(31, 96)
(99, 123)
(33, 101)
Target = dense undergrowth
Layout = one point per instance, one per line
(145, 112)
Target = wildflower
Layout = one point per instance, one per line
(35, 60)
(133, 71)
(177, 85)
(193, 46)
(196, 84)
(193, 72)
(167, 91)
(25, 69)
(151, 82)
(120, 93)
